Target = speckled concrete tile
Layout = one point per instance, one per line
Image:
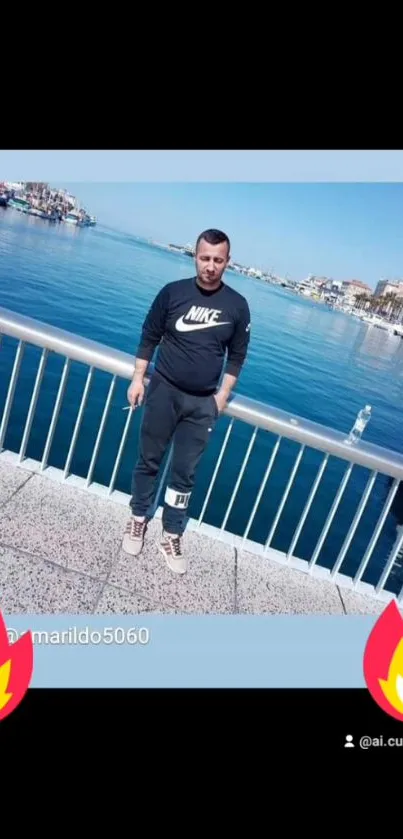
(266, 587)
(32, 585)
(67, 526)
(11, 479)
(207, 587)
(117, 601)
(360, 604)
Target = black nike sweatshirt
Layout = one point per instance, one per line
(194, 329)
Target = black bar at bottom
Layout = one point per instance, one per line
(283, 721)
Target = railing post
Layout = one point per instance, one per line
(10, 392)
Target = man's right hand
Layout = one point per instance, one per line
(135, 392)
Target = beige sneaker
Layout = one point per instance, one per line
(171, 547)
(133, 538)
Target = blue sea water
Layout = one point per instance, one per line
(303, 358)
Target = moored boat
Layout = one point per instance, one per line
(49, 215)
(19, 204)
(74, 217)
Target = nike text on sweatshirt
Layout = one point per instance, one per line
(193, 330)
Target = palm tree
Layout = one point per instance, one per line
(362, 301)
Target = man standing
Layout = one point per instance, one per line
(195, 321)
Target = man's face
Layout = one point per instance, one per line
(211, 262)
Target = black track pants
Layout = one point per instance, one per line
(188, 420)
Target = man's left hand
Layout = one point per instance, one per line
(221, 399)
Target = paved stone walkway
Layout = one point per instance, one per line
(60, 552)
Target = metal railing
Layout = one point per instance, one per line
(245, 413)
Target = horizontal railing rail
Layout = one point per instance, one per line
(119, 363)
(379, 461)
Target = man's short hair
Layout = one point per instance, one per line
(213, 237)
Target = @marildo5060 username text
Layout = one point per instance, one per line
(75, 635)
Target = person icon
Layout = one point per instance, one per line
(349, 742)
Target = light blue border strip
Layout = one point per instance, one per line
(197, 651)
(159, 166)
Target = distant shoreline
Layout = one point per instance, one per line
(384, 313)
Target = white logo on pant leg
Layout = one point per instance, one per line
(199, 317)
(180, 500)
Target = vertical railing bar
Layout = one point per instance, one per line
(308, 505)
(215, 473)
(354, 524)
(11, 391)
(375, 535)
(33, 403)
(163, 476)
(101, 430)
(120, 450)
(388, 567)
(55, 414)
(284, 498)
(240, 476)
(262, 488)
(78, 422)
(331, 516)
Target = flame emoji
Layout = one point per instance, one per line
(16, 665)
(383, 662)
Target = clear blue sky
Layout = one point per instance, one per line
(344, 231)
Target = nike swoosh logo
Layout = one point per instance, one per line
(191, 327)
